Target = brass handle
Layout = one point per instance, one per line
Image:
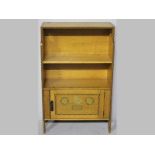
(51, 106)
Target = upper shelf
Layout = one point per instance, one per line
(77, 59)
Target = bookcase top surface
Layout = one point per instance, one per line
(57, 25)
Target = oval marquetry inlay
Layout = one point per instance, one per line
(64, 100)
(89, 100)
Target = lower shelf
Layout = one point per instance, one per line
(74, 119)
(77, 83)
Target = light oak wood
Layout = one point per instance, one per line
(77, 59)
(76, 45)
(64, 45)
(77, 25)
(76, 118)
(111, 77)
(76, 105)
(46, 100)
(107, 104)
(77, 83)
(77, 71)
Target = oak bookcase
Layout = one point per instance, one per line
(77, 71)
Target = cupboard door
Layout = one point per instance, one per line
(76, 104)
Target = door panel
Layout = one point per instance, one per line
(76, 104)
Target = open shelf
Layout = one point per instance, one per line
(77, 76)
(77, 83)
(87, 59)
(77, 57)
(77, 46)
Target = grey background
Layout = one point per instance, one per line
(18, 77)
(133, 94)
(135, 77)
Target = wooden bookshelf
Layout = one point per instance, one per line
(77, 71)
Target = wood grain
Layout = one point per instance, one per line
(75, 109)
(77, 59)
(77, 83)
(46, 101)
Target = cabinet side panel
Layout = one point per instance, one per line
(102, 102)
(107, 104)
(46, 105)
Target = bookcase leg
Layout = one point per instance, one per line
(109, 126)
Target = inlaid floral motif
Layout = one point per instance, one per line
(78, 100)
(64, 100)
(89, 100)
